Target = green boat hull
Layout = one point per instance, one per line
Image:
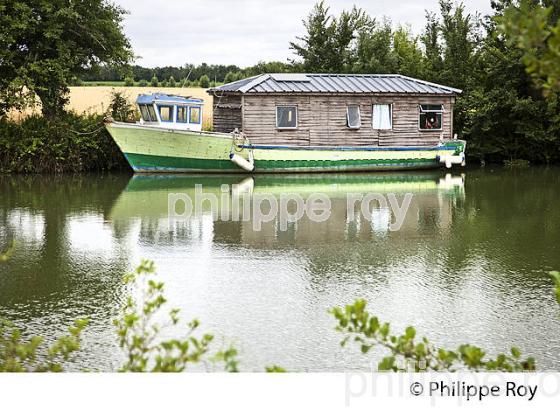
(154, 149)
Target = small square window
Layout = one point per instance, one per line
(382, 117)
(166, 113)
(286, 117)
(353, 116)
(194, 114)
(182, 114)
(431, 116)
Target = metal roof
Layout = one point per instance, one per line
(334, 83)
(166, 98)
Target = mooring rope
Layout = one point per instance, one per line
(88, 132)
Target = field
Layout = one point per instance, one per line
(96, 99)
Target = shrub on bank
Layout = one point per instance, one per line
(68, 144)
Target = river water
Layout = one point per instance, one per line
(468, 265)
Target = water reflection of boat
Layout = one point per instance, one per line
(146, 198)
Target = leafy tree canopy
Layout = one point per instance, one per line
(45, 44)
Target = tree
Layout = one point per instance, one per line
(268, 67)
(233, 76)
(171, 82)
(128, 81)
(501, 103)
(204, 81)
(534, 29)
(408, 55)
(327, 45)
(154, 82)
(433, 62)
(43, 44)
(374, 53)
(457, 30)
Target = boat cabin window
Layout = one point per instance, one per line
(144, 112)
(194, 115)
(353, 117)
(382, 117)
(166, 113)
(182, 114)
(148, 113)
(152, 112)
(286, 117)
(431, 116)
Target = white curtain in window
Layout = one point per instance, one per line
(382, 116)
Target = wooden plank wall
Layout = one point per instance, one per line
(322, 120)
(227, 113)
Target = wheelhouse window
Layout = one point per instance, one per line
(145, 113)
(166, 113)
(382, 118)
(194, 115)
(286, 117)
(152, 113)
(353, 117)
(431, 116)
(182, 113)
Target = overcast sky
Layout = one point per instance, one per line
(243, 32)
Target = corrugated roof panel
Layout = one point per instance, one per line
(368, 84)
(334, 83)
(380, 84)
(397, 84)
(320, 84)
(347, 81)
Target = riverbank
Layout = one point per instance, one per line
(70, 144)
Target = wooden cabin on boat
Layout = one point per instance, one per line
(383, 110)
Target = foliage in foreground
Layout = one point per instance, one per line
(19, 355)
(139, 332)
(406, 353)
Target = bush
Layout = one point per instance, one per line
(232, 76)
(164, 83)
(120, 108)
(154, 82)
(171, 82)
(129, 81)
(76, 82)
(204, 81)
(18, 355)
(70, 143)
(408, 353)
(143, 83)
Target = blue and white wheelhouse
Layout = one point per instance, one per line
(171, 111)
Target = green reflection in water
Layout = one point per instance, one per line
(468, 264)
